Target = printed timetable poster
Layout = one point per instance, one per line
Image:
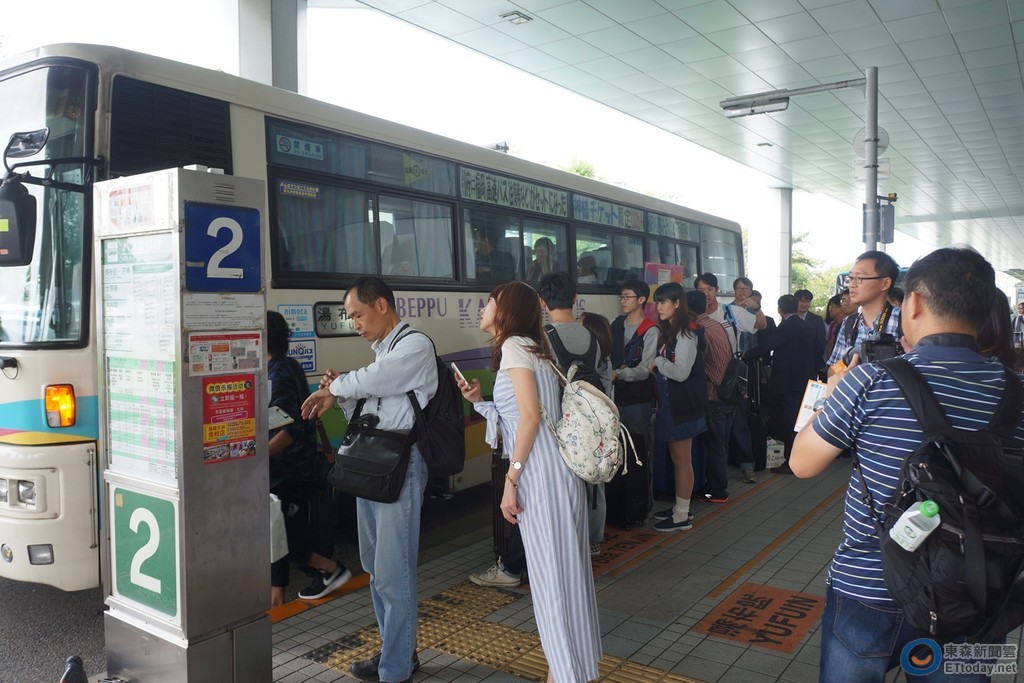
(229, 418)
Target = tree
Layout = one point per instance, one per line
(811, 274)
(581, 167)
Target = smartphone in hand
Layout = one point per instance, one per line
(458, 374)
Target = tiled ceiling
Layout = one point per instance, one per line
(951, 95)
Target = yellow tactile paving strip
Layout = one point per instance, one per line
(454, 622)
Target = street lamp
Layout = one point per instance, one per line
(778, 100)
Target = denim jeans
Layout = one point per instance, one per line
(861, 642)
(389, 544)
(720, 416)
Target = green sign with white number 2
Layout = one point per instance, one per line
(145, 559)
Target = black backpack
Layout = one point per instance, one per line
(733, 388)
(441, 427)
(966, 578)
(585, 370)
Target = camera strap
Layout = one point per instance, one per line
(883, 318)
(879, 326)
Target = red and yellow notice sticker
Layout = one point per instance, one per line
(765, 616)
(229, 418)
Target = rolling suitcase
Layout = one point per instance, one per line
(758, 422)
(500, 528)
(629, 495)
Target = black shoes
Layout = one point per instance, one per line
(324, 583)
(366, 669)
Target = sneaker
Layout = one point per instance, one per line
(595, 548)
(324, 583)
(663, 514)
(712, 498)
(667, 525)
(366, 669)
(748, 478)
(496, 576)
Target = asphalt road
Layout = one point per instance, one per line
(40, 626)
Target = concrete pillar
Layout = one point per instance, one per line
(255, 52)
(288, 22)
(272, 42)
(785, 240)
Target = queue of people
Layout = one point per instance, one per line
(673, 369)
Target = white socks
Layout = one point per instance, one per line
(681, 510)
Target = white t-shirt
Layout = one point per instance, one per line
(745, 321)
(516, 354)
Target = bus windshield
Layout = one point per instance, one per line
(42, 303)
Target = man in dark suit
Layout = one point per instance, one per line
(792, 346)
(816, 323)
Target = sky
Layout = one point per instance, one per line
(366, 61)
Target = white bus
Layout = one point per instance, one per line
(347, 194)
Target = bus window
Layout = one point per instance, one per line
(41, 301)
(323, 229)
(593, 255)
(545, 248)
(415, 238)
(627, 260)
(493, 246)
(673, 254)
(722, 251)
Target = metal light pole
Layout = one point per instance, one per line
(778, 100)
(871, 159)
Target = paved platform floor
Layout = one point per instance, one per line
(735, 600)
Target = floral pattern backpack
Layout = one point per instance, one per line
(590, 438)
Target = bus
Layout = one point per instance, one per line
(347, 194)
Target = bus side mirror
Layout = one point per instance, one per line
(17, 206)
(17, 223)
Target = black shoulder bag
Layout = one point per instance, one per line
(371, 463)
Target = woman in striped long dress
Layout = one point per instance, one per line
(541, 494)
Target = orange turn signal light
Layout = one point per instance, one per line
(60, 405)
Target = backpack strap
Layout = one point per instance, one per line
(592, 351)
(732, 321)
(850, 328)
(918, 394)
(1007, 415)
(420, 421)
(562, 354)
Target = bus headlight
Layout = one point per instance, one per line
(27, 492)
(3, 490)
(60, 405)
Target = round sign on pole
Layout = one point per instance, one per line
(860, 135)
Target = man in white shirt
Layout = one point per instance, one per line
(388, 532)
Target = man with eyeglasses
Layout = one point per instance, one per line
(635, 340)
(872, 276)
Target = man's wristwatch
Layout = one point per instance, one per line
(515, 464)
(819, 404)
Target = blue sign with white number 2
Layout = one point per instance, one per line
(222, 248)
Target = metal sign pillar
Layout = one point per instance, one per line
(183, 394)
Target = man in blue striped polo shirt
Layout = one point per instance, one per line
(950, 293)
